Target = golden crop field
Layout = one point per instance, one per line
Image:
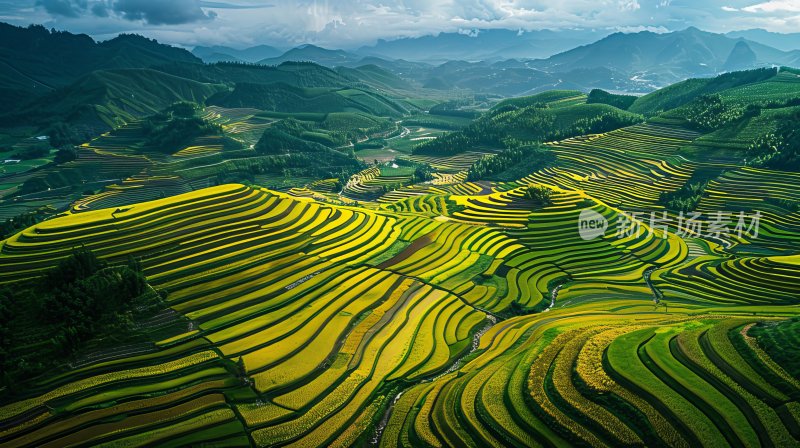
(449, 312)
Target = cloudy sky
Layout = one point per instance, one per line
(349, 24)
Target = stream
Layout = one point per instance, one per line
(554, 296)
(657, 295)
(476, 341)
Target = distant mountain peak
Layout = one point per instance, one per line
(740, 57)
(313, 53)
(221, 53)
(486, 44)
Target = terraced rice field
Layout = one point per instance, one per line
(449, 164)
(246, 124)
(138, 188)
(445, 314)
(628, 377)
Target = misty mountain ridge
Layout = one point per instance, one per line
(35, 61)
(781, 41)
(313, 53)
(509, 62)
(653, 60)
(219, 53)
(492, 44)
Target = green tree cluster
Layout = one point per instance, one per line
(711, 112)
(684, 199)
(35, 151)
(780, 149)
(82, 299)
(175, 127)
(511, 126)
(539, 195)
(83, 295)
(422, 173)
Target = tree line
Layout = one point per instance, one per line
(510, 126)
(510, 164)
(82, 299)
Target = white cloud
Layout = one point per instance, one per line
(352, 23)
(774, 6)
(640, 28)
(629, 5)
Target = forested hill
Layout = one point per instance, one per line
(36, 59)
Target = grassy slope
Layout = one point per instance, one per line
(281, 97)
(684, 92)
(551, 97)
(115, 96)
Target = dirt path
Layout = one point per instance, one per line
(418, 244)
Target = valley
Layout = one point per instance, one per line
(289, 254)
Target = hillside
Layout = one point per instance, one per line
(508, 78)
(106, 99)
(281, 97)
(683, 92)
(38, 60)
(375, 77)
(598, 248)
(313, 53)
(781, 41)
(552, 115)
(265, 304)
(296, 74)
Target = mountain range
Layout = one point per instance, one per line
(654, 60)
(781, 41)
(38, 63)
(227, 54)
(475, 45)
(507, 62)
(481, 45)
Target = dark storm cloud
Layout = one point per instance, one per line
(160, 12)
(100, 9)
(65, 8)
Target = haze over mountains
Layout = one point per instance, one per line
(35, 62)
(480, 45)
(228, 54)
(526, 62)
(781, 41)
(658, 59)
